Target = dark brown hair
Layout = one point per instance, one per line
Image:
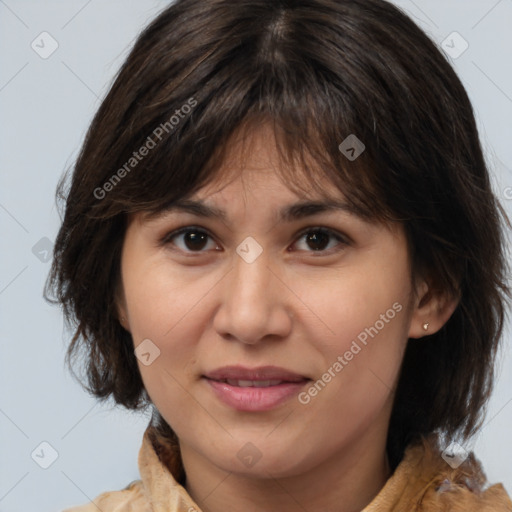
(318, 71)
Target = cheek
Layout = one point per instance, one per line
(360, 300)
(158, 307)
(366, 317)
(161, 303)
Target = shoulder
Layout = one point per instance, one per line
(425, 481)
(158, 483)
(130, 499)
(437, 484)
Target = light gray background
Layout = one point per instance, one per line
(46, 106)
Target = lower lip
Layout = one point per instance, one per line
(255, 399)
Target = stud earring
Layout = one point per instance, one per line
(425, 326)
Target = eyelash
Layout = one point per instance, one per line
(343, 240)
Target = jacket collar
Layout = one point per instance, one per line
(425, 481)
(161, 479)
(422, 481)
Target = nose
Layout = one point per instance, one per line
(253, 303)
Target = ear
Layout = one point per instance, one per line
(122, 310)
(432, 309)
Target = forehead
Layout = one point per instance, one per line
(263, 157)
(253, 157)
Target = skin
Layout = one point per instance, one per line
(292, 307)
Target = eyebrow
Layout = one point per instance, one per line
(288, 213)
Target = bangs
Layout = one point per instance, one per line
(187, 118)
(306, 168)
(195, 156)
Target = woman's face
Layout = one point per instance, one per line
(269, 344)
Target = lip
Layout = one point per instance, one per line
(254, 398)
(259, 373)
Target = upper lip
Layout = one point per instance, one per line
(259, 373)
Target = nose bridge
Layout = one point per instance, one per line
(251, 274)
(250, 307)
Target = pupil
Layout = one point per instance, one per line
(318, 240)
(194, 240)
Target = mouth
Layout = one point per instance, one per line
(259, 374)
(251, 383)
(257, 389)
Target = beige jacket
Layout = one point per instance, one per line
(422, 482)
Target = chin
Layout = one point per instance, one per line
(262, 464)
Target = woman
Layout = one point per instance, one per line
(280, 235)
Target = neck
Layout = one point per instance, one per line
(346, 482)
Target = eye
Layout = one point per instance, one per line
(321, 239)
(190, 239)
(193, 239)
